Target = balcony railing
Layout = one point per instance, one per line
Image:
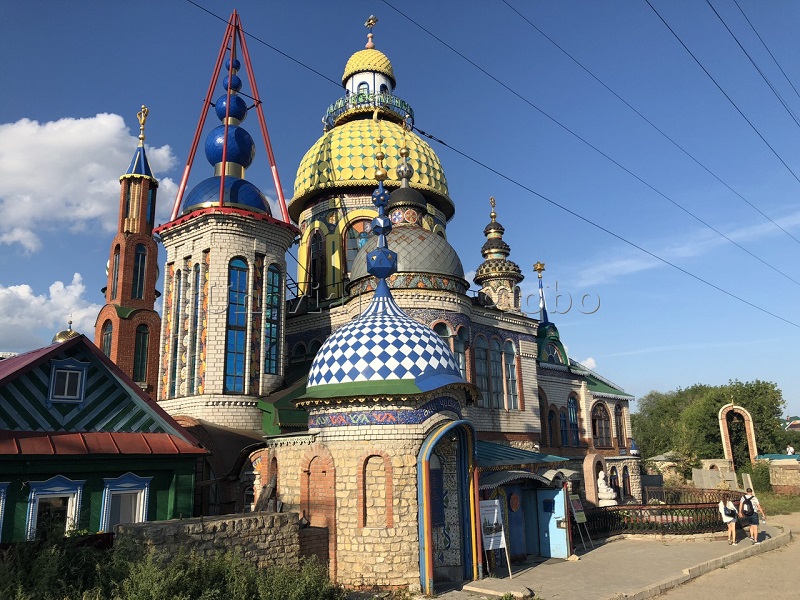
(368, 100)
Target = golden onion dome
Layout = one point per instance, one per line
(344, 158)
(368, 59)
(66, 334)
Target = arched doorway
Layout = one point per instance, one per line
(724, 428)
(447, 499)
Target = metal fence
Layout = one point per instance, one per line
(686, 495)
(678, 519)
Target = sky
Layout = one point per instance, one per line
(668, 263)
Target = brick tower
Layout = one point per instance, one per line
(127, 327)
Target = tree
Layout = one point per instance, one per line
(686, 420)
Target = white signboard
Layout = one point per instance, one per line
(492, 525)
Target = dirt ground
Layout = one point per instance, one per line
(773, 575)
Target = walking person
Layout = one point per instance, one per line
(749, 507)
(728, 512)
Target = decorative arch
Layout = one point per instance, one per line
(592, 465)
(318, 495)
(726, 434)
(370, 466)
(462, 433)
(601, 426)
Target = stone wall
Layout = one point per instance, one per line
(266, 539)
(784, 475)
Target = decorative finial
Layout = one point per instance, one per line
(380, 172)
(70, 325)
(369, 25)
(492, 214)
(404, 170)
(539, 267)
(142, 116)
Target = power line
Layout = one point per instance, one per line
(757, 68)
(719, 87)
(541, 196)
(664, 134)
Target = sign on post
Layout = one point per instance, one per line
(492, 531)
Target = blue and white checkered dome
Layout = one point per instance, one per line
(384, 351)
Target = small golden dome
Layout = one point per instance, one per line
(343, 158)
(368, 60)
(63, 336)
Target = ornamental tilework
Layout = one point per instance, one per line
(420, 281)
(447, 538)
(385, 417)
(165, 352)
(383, 344)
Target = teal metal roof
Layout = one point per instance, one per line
(491, 454)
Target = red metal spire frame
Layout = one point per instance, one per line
(233, 33)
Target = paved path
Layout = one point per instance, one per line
(635, 569)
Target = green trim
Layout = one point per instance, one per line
(124, 312)
(598, 387)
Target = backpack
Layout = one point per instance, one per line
(730, 512)
(747, 506)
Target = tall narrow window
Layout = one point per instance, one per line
(272, 320)
(562, 420)
(511, 375)
(128, 200)
(107, 335)
(115, 274)
(443, 331)
(613, 480)
(357, 235)
(460, 350)
(543, 415)
(176, 328)
(140, 353)
(619, 425)
(482, 368)
(601, 426)
(151, 207)
(496, 381)
(318, 267)
(574, 432)
(626, 482)
(552, 428)
(236, 330)
(139, 264)
(194, 334)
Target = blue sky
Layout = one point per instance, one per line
(74, 75)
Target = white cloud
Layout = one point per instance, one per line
(29, 321)
(589, 363)
(65, 174)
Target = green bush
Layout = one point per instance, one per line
(759, 472)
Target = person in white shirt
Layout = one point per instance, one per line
(749, 507)
(790, 449)
(728, 512)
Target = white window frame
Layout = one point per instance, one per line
(126, 484)
(55, 487)
(3, 488)
(68, 365)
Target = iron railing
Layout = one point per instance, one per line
(683, 519)
(393, 104)
(686, 495)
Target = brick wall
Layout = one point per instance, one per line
(266, 539)
(784, 475)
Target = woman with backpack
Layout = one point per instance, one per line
(749, 507)
(728, 512)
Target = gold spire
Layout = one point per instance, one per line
(142, 116)
(492, 214)
(380, 172)
(539, 267)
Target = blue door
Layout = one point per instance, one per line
(553, 542)
(529, 506)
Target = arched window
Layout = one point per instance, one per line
(460, 350)
(384, 88)
(496, 381)
(194, 334)
(601, 426)
(235, 345)
(313, 348)
(272, 320)
(176, 328)
(543, 416)
(553, 354)
(552, 428)
(619, 425)
(613, 480)
(355, 237)
(298, 353)
(562, 420)
(443, 331)
(151, 207)
(572, 410)
(106, 337)
(139, 264)
(140, 348)
(363, 92)
(509, 362)
(626, 482)
(318, 267)
(482, 368)
(115, 274)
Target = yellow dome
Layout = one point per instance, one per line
(368, 60)
(63, 336)
(345, 157)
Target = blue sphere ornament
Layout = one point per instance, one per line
(238, 107)
(380, 197)
(381, 225)
(236, 64)
(236, 83)
(241, 148)
(381, 263)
